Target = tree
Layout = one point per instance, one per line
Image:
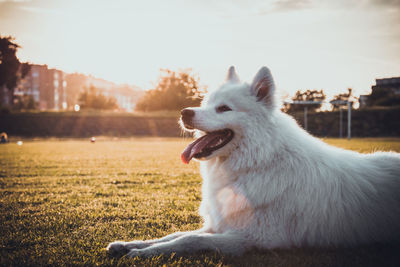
(92, 98)
(309, 95)
(343, 97)
(11, 69)
(24, 102)
(174, 91)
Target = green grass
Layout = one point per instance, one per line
(62, 202)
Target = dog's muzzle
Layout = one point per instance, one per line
(187, 117)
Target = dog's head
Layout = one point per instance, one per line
(228, 115)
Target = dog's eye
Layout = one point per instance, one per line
(223, 108)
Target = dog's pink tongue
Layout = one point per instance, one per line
(197, 146)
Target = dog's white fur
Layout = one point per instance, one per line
(274, 185)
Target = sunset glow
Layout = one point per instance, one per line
(330, 45)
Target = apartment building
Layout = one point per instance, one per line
(46, 86)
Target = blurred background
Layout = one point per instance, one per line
(124, 68)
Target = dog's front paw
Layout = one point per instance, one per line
(134, 253)
(117, 247)
(143, 253)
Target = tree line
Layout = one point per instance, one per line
(174, 90)
(92, 98)
(317, 96)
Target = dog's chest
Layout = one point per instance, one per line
(227, 203)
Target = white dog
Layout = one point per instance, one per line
(267, 183)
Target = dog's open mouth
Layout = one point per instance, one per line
(205, 145)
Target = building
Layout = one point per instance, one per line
(46, 86)
(388, 84)
(52, 89)
(75, 84)
(386, 92)
(126, 95)
(99, 83)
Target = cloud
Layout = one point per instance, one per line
(366, 3)
(279, 6)
(15, 1)
(38, 9)
(386, 2)
(288, 5)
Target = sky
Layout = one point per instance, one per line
(307, 44)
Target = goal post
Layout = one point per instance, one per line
(340, 102)
(349, 104)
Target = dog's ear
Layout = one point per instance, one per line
(232, 76)
(263, 86)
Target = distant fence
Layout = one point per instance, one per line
(365, 123)
(341, 103)
(56, 125)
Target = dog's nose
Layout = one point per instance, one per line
(187, 113)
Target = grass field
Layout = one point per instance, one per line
(62, 202)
